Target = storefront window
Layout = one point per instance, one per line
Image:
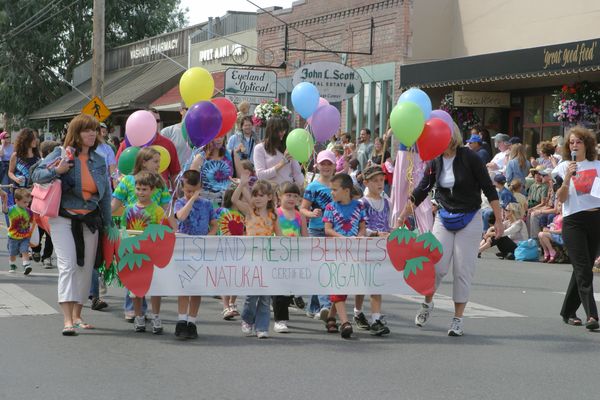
(533, 110)
(548, 109)
(539, 123)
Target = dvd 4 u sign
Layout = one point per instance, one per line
(336, 82)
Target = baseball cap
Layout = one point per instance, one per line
(500, 178)
(501, 137)
(326, 155)
(372, 172)
(546, 171)
(474, 139)
(103, 125)
(515, 140)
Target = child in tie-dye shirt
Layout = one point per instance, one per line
(20, 227)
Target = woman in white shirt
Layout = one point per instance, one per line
(581, 222)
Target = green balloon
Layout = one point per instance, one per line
(185, 135)
(407, 122)
(300, 144)
(127, 160)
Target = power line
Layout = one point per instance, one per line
(35, 16)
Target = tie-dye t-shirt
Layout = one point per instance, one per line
(319, 195)
(345, 219)
(230, 222)
(378, 219)
(215, 174)
(19, 222)
(290, 227)
(137, 218)
(198, 221)
(125, 193)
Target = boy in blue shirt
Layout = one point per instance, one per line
(504, 194)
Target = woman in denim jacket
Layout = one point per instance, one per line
(84, 211)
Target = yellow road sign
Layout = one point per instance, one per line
(96, 108)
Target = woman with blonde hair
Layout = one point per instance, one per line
(518, 165)
(515, 230)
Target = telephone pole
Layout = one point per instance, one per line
(98, 50)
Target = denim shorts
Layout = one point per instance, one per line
(17, 246)
(557, 238)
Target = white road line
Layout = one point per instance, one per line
(596, 295)
(15, 300)
(473, 310)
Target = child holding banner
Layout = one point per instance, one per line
(344, 217)
(195, 216)
(293, 224)
(378, 212)
(261, 220)
(316, 197)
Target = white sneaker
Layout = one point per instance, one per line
(423, 315)
(310, 314)
(281, 327)
(157, 328)
(262, 334)
(139, 324)
(246, 328)
(324, 314)
(456, 327)
(48, 264)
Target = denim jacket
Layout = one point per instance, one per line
(71, 184)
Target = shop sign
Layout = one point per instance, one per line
(481, 99)
(335, 81)
(251, 85)
(153, 48)
(221, 52)
(571, 55)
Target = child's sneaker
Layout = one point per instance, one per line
(191, 331)
(157, 328)
(234, 310)
(423, 315)
(246, 328)
(36, 256)
(262, 334)
(456, 327)
(27, 270)
(228, 314)
(13, 269)
(299, 302)
(378, 328)
(139, 324)
(361, 321)
(129, 316)
(281, 327)
(181, 329)
(47, 263)
(323, 314)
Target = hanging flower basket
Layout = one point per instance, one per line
(268, 109)
(578, 103)
(465, 117)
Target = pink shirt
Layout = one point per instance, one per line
(265, 163)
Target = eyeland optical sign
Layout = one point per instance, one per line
(335, 81)
(251, 85)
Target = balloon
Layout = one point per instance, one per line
(165, 158)
(325, 123)
(127, 160)
(203, 122)
(228, 113)
(434, 140)
(418, 97)
(444, 116)
(140, 128)
(407, 121)
(196, 84)
(322, 102)
(300, 144)
(128, 144)
(305, 98)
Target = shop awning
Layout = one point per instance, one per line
(555, 60)
(171, 100)
(124, 89)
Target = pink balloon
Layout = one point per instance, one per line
(322, 102)
(444, 116)
(325, 122)
(140, 128)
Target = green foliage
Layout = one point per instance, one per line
(36, 51)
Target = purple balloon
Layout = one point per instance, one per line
(325, 122)
(128, 144)
(203, 122)
(444, 116)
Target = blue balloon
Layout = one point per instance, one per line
(305, 98)
(419, 97)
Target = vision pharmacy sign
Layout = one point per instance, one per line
(335, 81)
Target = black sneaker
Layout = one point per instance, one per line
(361, 322)
(98, 304)
(181, 330)
(299, 302)
(191, 331)
(36, 257)
(500, 255)
(379, 329)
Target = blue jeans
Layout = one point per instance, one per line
(485, 216)
(257, 312)
(95, 287)
(322, 301)
(128, 306)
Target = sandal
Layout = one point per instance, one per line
(592, 324)
(69, 331)
(331, 326)
(82, 325)
(346, 330)
(574, 321)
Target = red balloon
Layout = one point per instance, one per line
(228, 112)
(434, 139)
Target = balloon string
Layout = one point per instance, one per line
(410, 177)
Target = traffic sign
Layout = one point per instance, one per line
(96, 108)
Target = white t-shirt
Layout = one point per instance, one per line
(447, 177)
(500, 159)
(579, 198)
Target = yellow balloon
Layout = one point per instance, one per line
(165, 158)
(196, 84)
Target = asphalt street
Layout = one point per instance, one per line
(515, 347)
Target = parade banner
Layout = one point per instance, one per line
(212, 265)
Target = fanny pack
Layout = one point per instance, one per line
(455, 221)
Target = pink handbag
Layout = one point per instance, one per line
(46, 198)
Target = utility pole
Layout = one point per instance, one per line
(98, 46)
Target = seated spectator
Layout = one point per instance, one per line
(518, 166)
(515, 231)
(551, 234)
(338, 150)
(504, 194)
(516, 187)
(475, 143)
(538, 190)
(547, 158)
(540, 215)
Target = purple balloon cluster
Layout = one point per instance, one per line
(203, 122)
